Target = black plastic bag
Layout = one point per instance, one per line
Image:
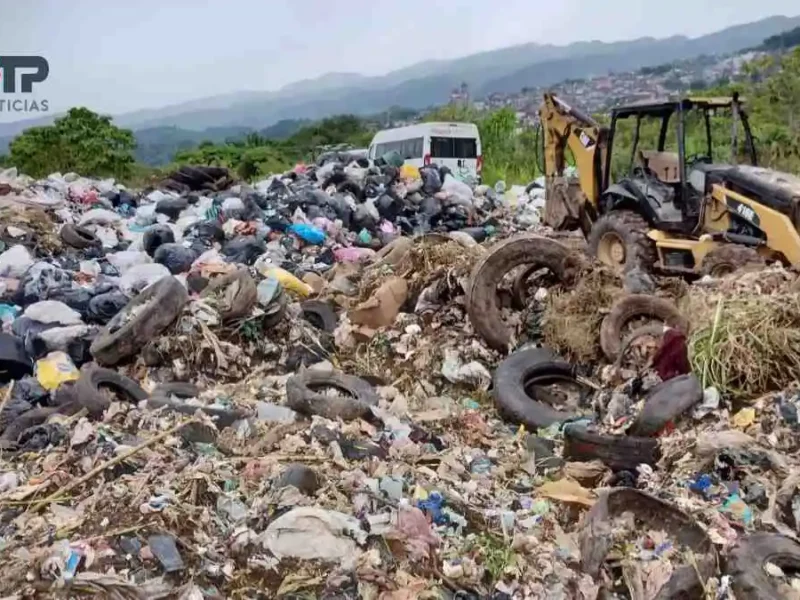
(172, 207)
(176, 257)
(431, 180)
(76, 298)
(103, 307)
(244, 250)
(155, 236)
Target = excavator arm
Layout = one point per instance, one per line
(571, 204)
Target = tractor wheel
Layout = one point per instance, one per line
(619, 240)
(729, 258)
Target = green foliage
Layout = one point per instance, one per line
(255, 155)
(81, 141)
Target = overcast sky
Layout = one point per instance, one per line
(119, 56)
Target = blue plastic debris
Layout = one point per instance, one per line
(308, 233)
(432, 505)
(701, 484)
(71, 565)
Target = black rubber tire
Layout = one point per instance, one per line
(302, 398)
(746, 560)
(515, 374)
(481, 297)
(157, 306)
(596, 537)
(94, 378)
(243, 300)
(162, 397)
(320, 314)
(31, 418)
(14, 361)
(618, 452)
(632, 229)
(665, 403)
(730, 257)
(632, 306)
(78, 237)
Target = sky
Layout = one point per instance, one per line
(119, 56)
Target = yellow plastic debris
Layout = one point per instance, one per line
(744, 418)
(409, 172)
(54, 369)
(286, 279)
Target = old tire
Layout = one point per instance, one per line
(513, 378)
(596, 538)
(142, 319)
(618, 452)
(78, 237)
(238, 294)
(89, 388)
(729, 258)
(633, 306)
(320, 314)
(746, 564)
(302, 397)
(619, 240)
(482, 308)
(666, 402)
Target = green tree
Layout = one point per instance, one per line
(81, 141)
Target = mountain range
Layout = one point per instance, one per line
(429, 83)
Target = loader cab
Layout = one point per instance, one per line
(663, 156)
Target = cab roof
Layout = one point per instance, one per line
(671, 106)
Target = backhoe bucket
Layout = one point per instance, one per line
(564, 202)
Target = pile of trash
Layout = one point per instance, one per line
(360, 380)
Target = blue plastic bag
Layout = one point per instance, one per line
(308, 233)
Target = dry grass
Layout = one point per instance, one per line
(571, 322)
(748, 345)
(426, 261)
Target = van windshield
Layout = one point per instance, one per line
(446, 147)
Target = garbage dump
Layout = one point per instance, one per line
(354, 380)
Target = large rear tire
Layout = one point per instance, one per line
(729, 258)
(619, 240)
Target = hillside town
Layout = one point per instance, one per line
(600, 93)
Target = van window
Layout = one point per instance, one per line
(412, 148)
(465, 148)
(444, 147)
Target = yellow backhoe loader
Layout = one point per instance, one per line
(671, 212)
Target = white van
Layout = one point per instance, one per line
(453, 145)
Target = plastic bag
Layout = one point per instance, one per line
(308, 233)
(15, 261)
(127, 259)
(176, 257)
(139, 277)
(155, 236)
(52, 311)
(76, 298)
(243, 249)
(431, 179)
(103, 307)
(100, 216)
(54, 369)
